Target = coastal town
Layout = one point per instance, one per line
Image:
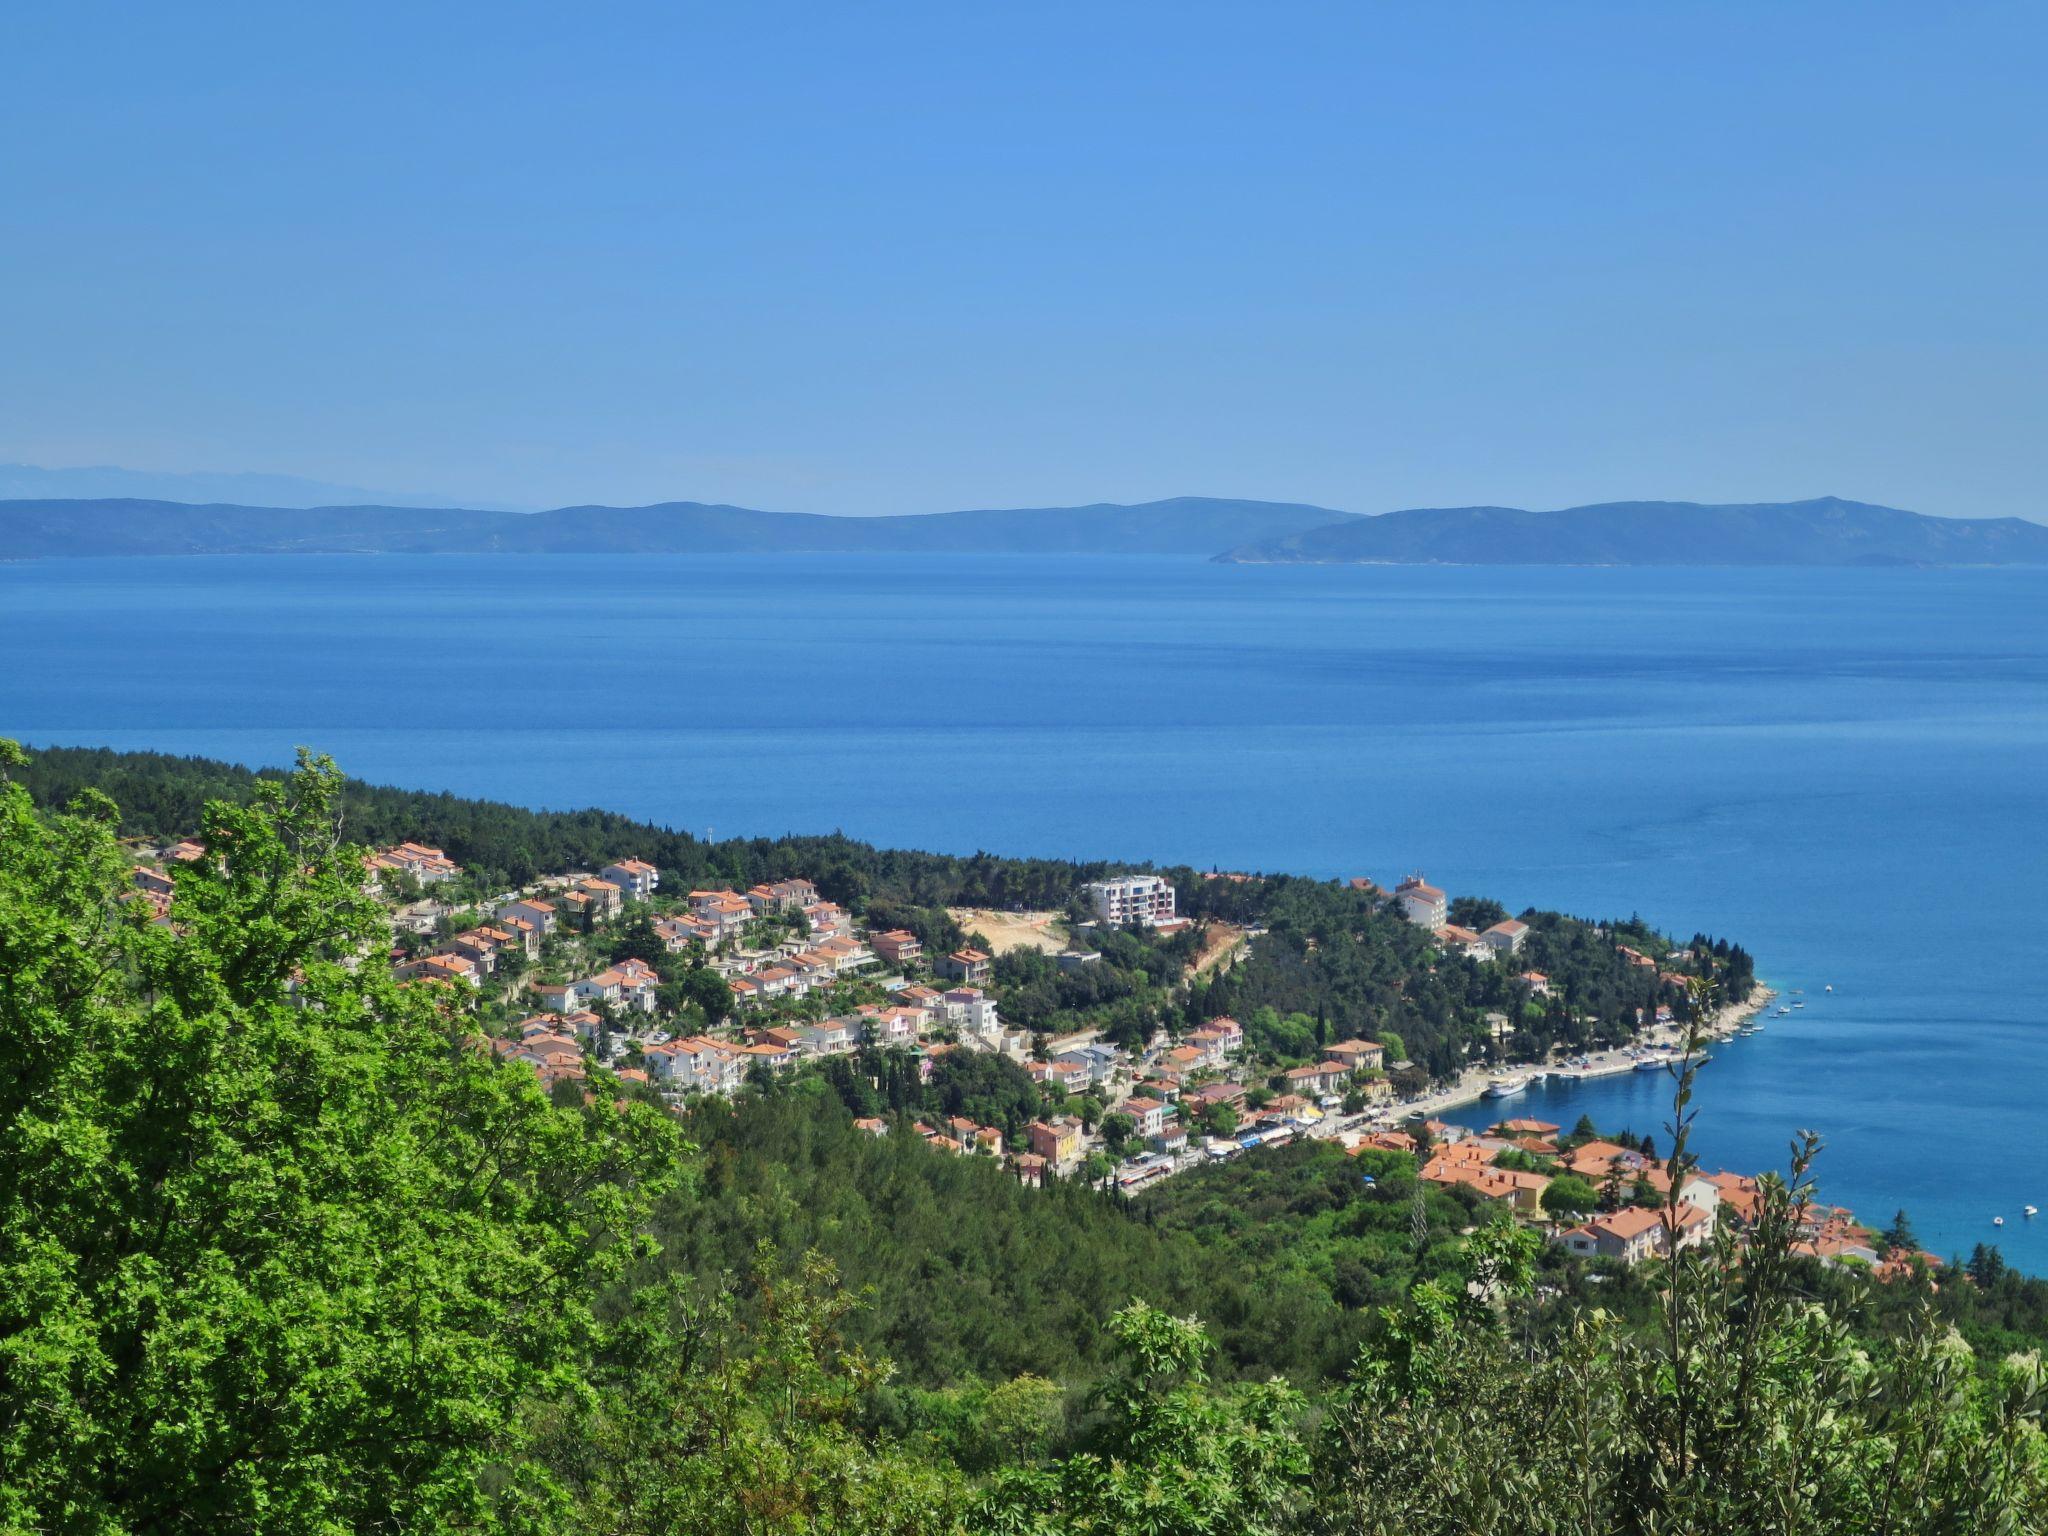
(737, 988)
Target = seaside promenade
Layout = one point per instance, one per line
(1470, 1085)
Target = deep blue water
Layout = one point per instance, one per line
(1843, 769)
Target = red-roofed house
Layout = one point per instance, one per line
(1632, 1234)
(1324, 1077)
(531, 909)
(1357, 1055)
(1509, 1186)
(964, 965)
(899, 946)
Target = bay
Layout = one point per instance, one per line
(1843, 769)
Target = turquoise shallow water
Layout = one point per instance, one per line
(1843, 769)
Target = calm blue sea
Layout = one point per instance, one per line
(1847, 770)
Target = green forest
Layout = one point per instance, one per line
(284, 1247)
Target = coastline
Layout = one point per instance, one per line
(1470, 1087)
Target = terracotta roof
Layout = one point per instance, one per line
(1631, 1221)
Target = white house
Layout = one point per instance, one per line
(1149, 1113)
(782, 896)
(900, 1026)
(971, 1010)
(828, 920)
(1097, 1063)
(833, 1037)
(630, 983)
(1505, 937)
(727, 909)
(636, 878)
(696, 1061)
(531, 909)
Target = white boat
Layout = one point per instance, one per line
(1784, 1012)
(1799, 1005)
(1504, 1087)
(1829, 987)
(1652, 1064)
(1998, 1221)
(2031, 1211)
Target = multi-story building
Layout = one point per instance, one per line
(1422, 903)
(637, 878)
(1143, 899)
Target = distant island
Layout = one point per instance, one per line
(1826, 531)
(1186, 525)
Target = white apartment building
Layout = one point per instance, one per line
(1422, 903)
(1146, 899)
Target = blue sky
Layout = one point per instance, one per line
(903, 258)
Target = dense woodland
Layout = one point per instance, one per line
(283, 1249)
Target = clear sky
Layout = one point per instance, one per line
(876, 257)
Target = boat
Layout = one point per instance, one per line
(1652, 1064)
(1799, 1005)
(1784, 1012)
(1998, 1221)
(1829, 987)
(1504, 1087)
(2030, 1211)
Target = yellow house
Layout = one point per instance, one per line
(1058, 1141)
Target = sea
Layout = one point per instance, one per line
(1844, 770)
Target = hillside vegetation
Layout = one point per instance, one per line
(284, 1249)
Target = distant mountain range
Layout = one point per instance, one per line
(1827, 531)
(1824, 532)
(26, 482)
(1188, 525)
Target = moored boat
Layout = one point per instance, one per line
(1504, 1087)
